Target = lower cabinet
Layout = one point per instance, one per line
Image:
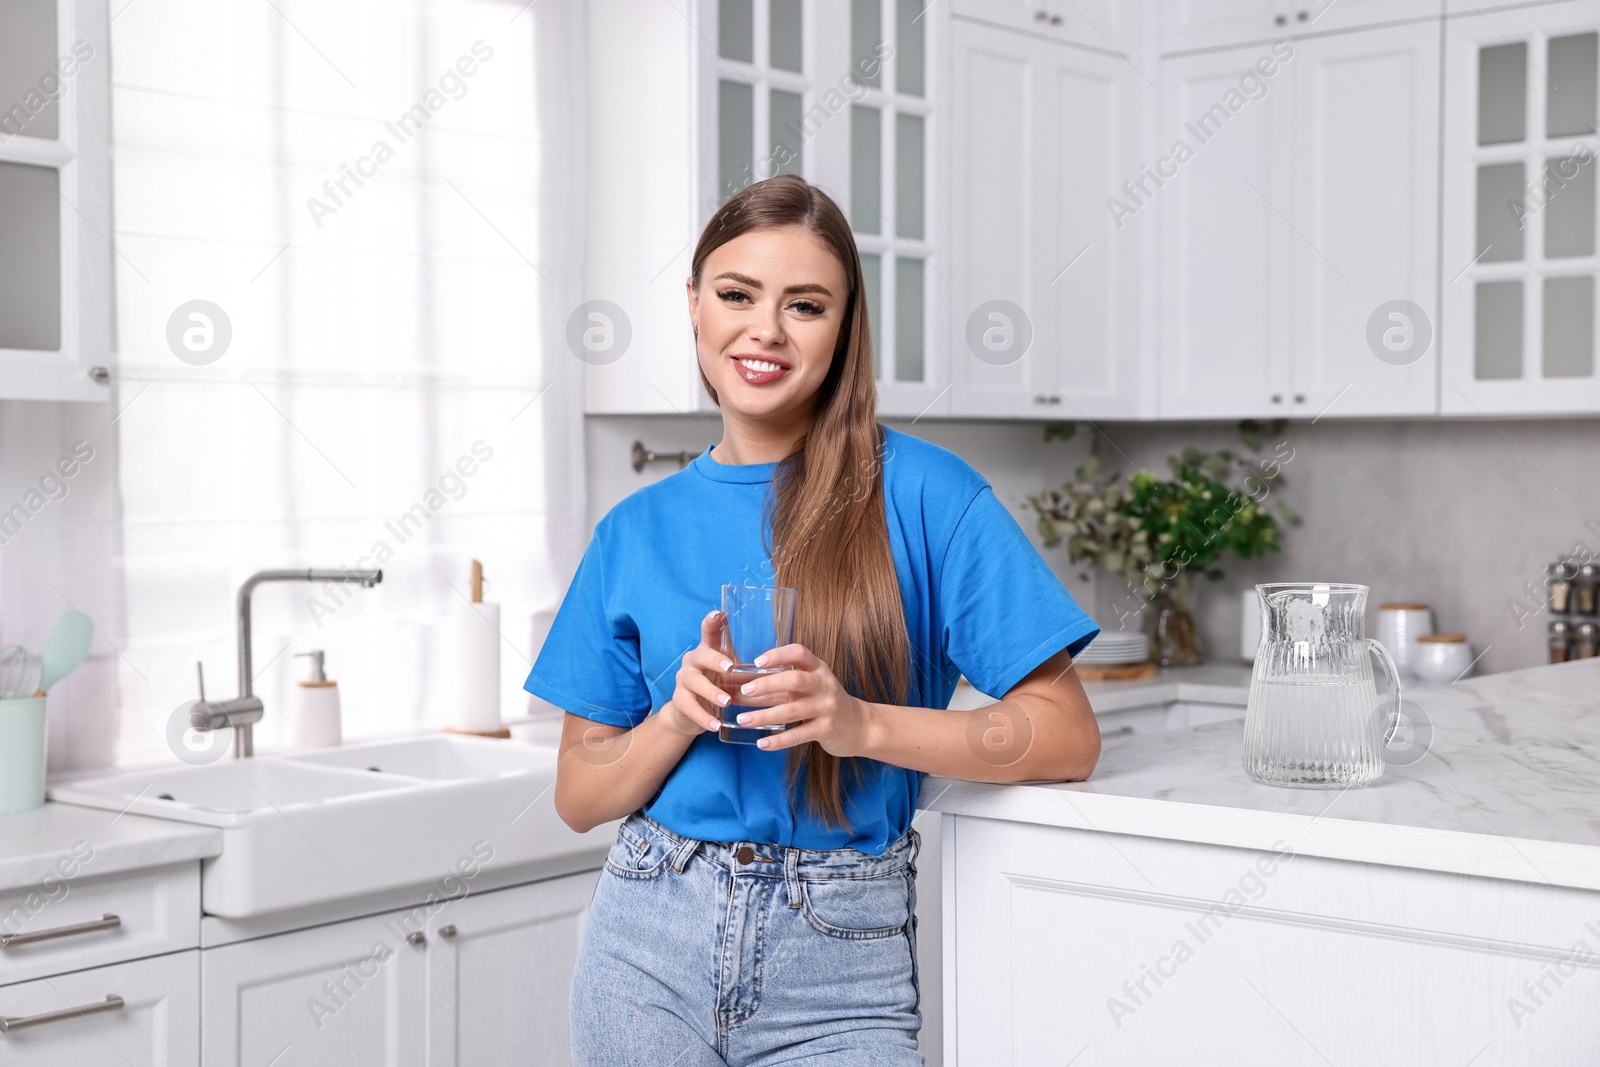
(479, 980)
(143, 1013)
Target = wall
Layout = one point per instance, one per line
(1459, 514)
(60, 558)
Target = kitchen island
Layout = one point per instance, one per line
(1173, 910)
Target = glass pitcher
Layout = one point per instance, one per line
(1314, 719)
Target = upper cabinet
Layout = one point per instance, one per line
(845, 94)
(55, 202)
(1113, 25)
(1299, 231)
(1519, 261)
(1191, 25)
(1045, 319)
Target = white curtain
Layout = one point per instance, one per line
(385, 201)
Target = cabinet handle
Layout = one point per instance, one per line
(1277, 398)
(1299, 398)
(1280, 19)
(447, 930)
(415, 937)
(1041, 15)
(1055, 20)
(8, 1024)
(105, 922)
(1120, 731)
(1302, 15)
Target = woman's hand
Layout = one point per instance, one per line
(697, 700)
(819, 706)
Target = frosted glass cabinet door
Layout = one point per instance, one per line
(1518, 306)
(55, 201)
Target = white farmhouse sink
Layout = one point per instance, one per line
(314, 827)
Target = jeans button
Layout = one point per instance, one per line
(745, 854)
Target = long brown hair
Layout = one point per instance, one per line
(830, 537)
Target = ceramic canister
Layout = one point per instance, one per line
(1399, 626)
(1249, 624)
(1441, 657)
(23, 743)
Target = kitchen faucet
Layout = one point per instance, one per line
(246, 709)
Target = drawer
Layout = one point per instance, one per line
(144, 1013)
(156, 910)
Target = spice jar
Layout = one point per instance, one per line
(1586, 587)
(1560, 640)
(1558, 580)
(1588, 638)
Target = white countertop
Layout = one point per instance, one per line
(32, 842)
(1509, 789)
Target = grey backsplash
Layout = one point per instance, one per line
(1461, 514)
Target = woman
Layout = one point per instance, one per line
(755, 907)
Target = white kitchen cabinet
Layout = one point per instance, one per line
(347, 994)
(1113, 25)
(1518, 318)
(99, 921)
(144, 1013)
(499, 974)
(55, 203)
(1068, 945)
(848, 97)
(1304, 208)
(1045, 319)
(1226, 253)
(1189, 25)
(1366, 180)
(479, 980)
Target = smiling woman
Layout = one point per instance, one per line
(757, 907)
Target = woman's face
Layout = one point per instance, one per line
(769, 309)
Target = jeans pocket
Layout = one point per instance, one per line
(857, 909)
(636, 856)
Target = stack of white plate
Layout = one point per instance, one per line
(1116, 647)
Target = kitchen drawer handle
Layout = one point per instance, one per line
(7, 1024)
(105, 922)
(1120, 731)
(447, 930)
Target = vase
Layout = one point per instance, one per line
(1174, 637)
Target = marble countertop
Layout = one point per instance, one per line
(93, 843)
(1509, 787)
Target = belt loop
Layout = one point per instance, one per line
(791, 875)
(681, 854)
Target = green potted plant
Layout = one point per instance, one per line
(1157, 534)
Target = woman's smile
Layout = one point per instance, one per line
(758, 369)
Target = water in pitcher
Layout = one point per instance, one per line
(1323, 732)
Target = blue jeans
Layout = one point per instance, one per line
(741, 953)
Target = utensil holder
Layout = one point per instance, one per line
(23, 738)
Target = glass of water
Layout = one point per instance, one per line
(756, 619)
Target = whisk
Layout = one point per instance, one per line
(19, 672)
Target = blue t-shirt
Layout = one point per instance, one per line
(978, 601)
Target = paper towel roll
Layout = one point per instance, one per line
(477, 644)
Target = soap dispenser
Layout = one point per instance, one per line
(314, 719)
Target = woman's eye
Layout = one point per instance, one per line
(809, 307)
(729, 294)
